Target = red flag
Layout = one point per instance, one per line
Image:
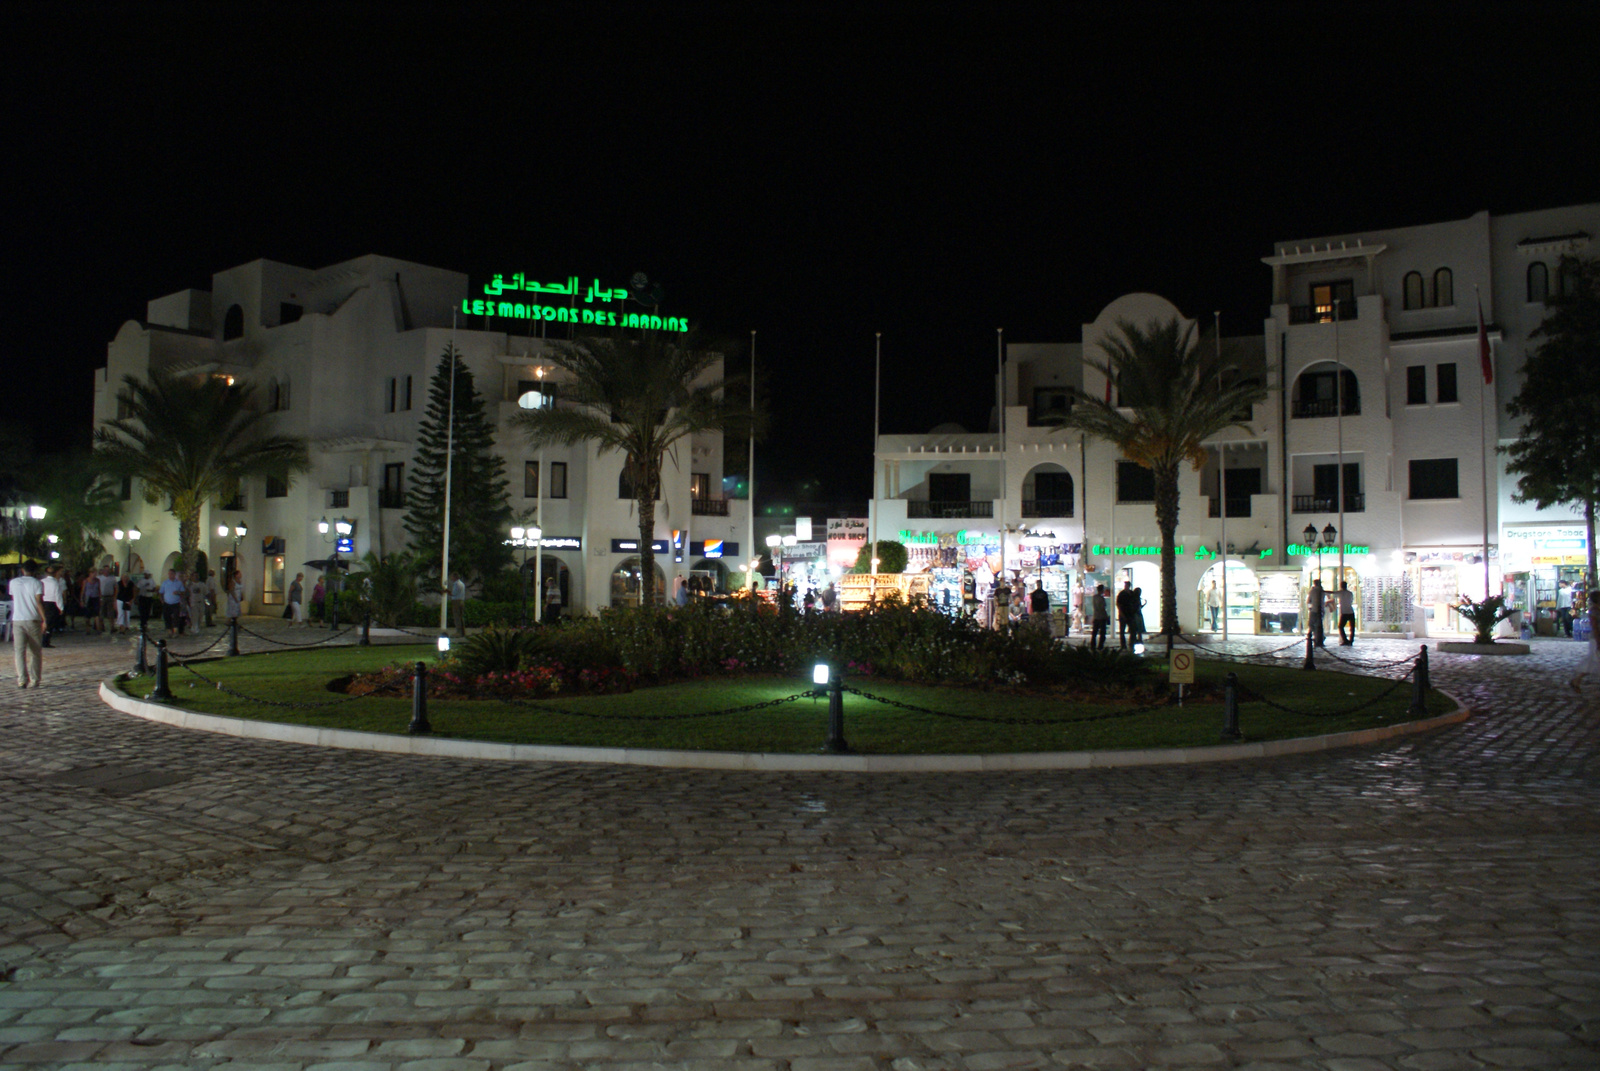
(1108, 388)
(1483, 347)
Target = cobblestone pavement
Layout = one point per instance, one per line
(179, 899)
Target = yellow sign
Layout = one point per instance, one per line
(1182, 668)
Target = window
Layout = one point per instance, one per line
(277, 487)
(392, 495)
(1444, 382)
(339, 499)
(1538, 281)
(1434, 478)
(558, 479)
(239, 501)
(272, 580)
(1135, 483)
(288, 312)
(1413, 290)
(407, 396)
(536, 394)
(233, 323)
(1050, 406)
(699, 486)
(1417, 384)
(1321, 395)
(530, 479)
(949, 487)
(125, 489)
(389, 394)
(1444, 290)
(1331, 301)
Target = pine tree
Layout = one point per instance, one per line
(479, 508)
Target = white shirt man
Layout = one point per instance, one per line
(27, 626)
(55, 597)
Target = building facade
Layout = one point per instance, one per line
(1372, 461)
(342, 356)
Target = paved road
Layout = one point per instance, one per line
(174, 899)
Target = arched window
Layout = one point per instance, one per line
(1444, 288)
(1047, 492)
(1413, 290)
(1538, 281)
(233, 323)
(1317, 393)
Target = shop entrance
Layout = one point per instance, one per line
(626, 583)
(1146, 577)
(1243, 595)
(1330, 584)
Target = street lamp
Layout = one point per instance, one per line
(238, 532)
(37, 512)
(130, 537)
(341, 531)
(522, 537)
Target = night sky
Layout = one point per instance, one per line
(808, 171)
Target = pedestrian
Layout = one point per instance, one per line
(1214, 604)
(1347, 614)
(127, 591)
(830, 598)
(458, 602)
(680, 592)
(319, 600)
(1138, 604)
(1017, 613)
(27, 624)
(552, 600)
(1591, 665)
(1564, 608)
(1318, 601)
(55, 603)
(211, 596)
(297, 590)
(1039, 606)
(89, 599)
(172, 603)
(197, 592)
(235, 598)
(809, 602)
(147, 599)
(1099, 619)
(1127, 606)
(106, 586)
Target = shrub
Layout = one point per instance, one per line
(496, 650)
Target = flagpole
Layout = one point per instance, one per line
(449, 455)
(1484, 359)
(1338, 379)
(1222, 454)
(750, 482)
(1000, 425)
(538, 519)
(872, 536)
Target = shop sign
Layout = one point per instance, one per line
(631, 546)
(564, 308)
(1349, 548)
(1280, 593)
(805, 550)
(847, 528)
(962, 538)
(1547, 545)
(1130, 551)
(714, 548)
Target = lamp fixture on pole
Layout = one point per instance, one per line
(341, 530)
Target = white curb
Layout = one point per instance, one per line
(443, 747)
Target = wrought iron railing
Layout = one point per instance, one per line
(1324, 313)
(1327, 504)
(709, 507)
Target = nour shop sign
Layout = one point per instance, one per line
(509, 299)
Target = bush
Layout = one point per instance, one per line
(496, 650)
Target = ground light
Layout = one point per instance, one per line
(825, 683)
(444, 643)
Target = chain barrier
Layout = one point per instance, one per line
(1004, 721)
(313, 643)
(195, 654)
(223, 688)
(1374, 701)
(1197, 642)
(537, 705)
(1367, 665)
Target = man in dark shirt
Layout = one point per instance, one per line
(1127, 608)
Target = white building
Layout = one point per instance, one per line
(343, 356)
(1410, 419)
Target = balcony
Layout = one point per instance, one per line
(1326, 407)
(708, 507)
(1237, 507)
(1047, 507)
(1323, 314)
(922, 509)
(1328, 504)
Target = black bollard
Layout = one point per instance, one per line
(1419, 686)
(1309, 664)
(419, 702)
(835, 744)
(161, 693)
(1230, 707)
(233, 636)
(366, 632)
(140, 665)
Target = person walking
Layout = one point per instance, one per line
(1318, 601)
(1564, 608)
(1347, 614)
(27, 625)
(1138, 604)
(89, 599)
(319, 601)
(147, 599)
(1039, 606)
(171, 602)
(55, 603)
(211, 596)
(1214, 604)
(106, 589)
(297, 591)
(197, 592)
(235, 598)
(552, 600)
(126, 592)
(1099, 619)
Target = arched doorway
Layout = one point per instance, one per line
(549, 566)
(717, 572)
(1146, 577)
(1241, 599)
(626, 583)
(1047, 491)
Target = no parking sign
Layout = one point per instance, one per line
(1182, 671)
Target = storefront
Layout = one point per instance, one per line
(1240, 600)
(1538, 559)
(1440, 577)
(1279, 603)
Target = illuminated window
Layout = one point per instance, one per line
(1413, 290)
(233, 323)
(272, 580)
(1538, 281)
(1444, 376)
(1444, 288)
(536, 394)
(530, 479)
(1331, 301)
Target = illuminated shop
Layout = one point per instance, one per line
(1536, 558)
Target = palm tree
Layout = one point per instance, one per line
(190, 438)
(639, 397)
(83, 507)
(1177, 392)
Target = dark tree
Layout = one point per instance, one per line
(479, 509)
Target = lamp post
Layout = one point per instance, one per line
(341, 531)
(522, 537)
(129, 537)
(237, 532)
(1318, 543)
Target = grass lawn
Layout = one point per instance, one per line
(645, 718)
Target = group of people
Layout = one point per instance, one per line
(1130, 606)
(1318, 603)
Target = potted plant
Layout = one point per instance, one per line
(1484, 615)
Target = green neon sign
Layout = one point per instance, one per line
(963, 538)
(565, 311)
(1349, 548)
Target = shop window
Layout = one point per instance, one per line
(272, 580)
(1444, 376)
(1538, 281)
(1413, 290)
(558, 479)
(392, 494)
(626, 583)
(289, 312)
(233, 323)
(1444, 288)
(1417, 384)
(1434, 478)
(277, 487)
(1135, 483)
(530, 479)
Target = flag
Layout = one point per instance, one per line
(1483, 347)
(1108, 388)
